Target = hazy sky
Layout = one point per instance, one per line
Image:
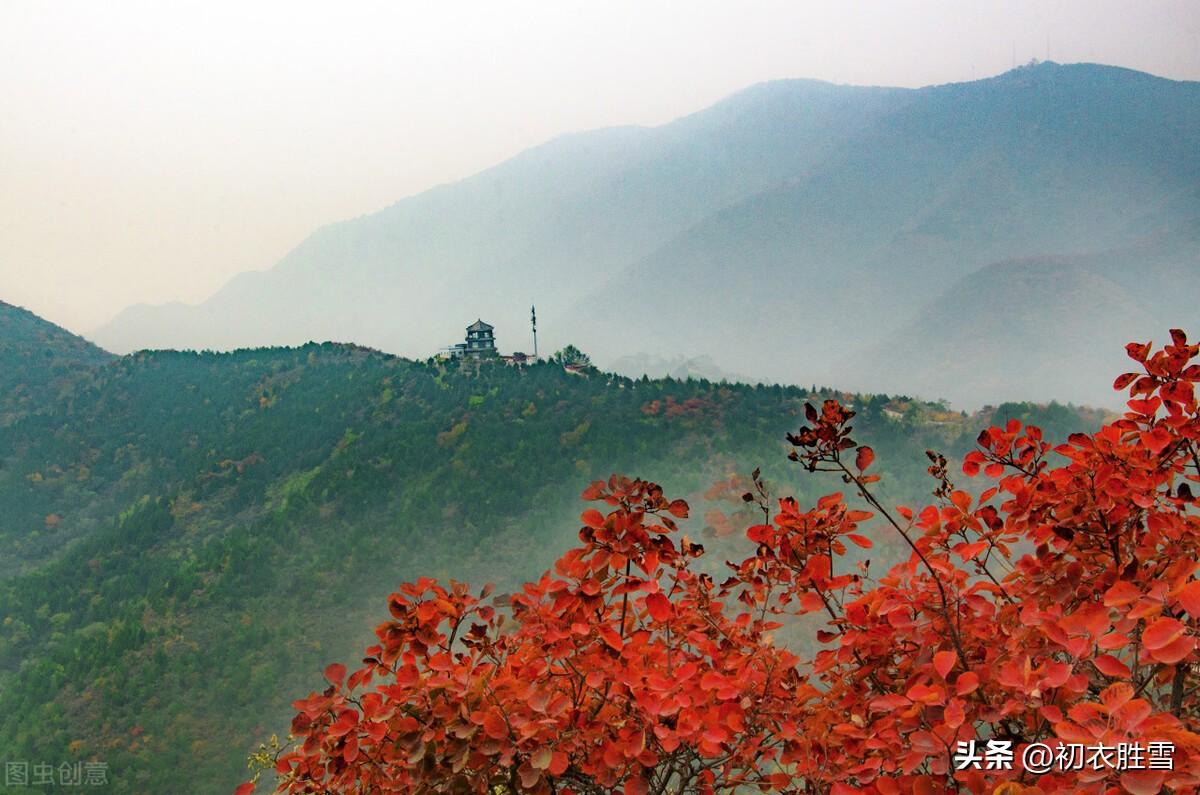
(151, 150)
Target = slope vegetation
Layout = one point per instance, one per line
(188, 536)
(36, 357)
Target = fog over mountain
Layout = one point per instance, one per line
(900, 240)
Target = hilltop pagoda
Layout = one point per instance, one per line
(481, 341)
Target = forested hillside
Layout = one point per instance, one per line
(189, 536)
(35, 357)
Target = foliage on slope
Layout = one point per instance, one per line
(36, 357)
(1040, 636)
(188, 534)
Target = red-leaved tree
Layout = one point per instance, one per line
(1058, 607)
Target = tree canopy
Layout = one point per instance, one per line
(571, 355)
(1057, 606)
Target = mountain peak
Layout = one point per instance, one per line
(22, 333)
(1083, 72)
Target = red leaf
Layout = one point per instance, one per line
(759, 533)
(1116, 695)
(529, 777)
(1138, 351)
(860, 540)
(1056, 673)
(494, 725)
(943, 662)
(1143, 782)
(344, 724)
(336, 673)
(611, 638)
(955, 713)
(889, 703)
(1147, 406)
(810, 602)
(1124, 380)
(1121, 594)
(659, 607)
(350, 749)
(1174, 651)
(541, 758)
(1189, 598)
(1156, 440)
(593, 518)
(244, 789)
(864, 458)
(779, 781)
(970, 551)
(1162, 632)
(1112, 641)
(1111, 666)
(678, 508)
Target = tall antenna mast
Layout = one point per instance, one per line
(533, 322)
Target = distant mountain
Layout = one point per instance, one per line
(543, 227)
(35, 358)
(786, 232)
(1036, 328)
(681, 367)
(1048, 160)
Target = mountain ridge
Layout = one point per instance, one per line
(976, 309)
(870, 200)
(36, 358)
(833, 281)
(535, 159)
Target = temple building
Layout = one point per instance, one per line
(481, 342)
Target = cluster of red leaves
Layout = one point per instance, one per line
(1060, 605)
(619, 670)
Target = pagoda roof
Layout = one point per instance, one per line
(479, 325)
